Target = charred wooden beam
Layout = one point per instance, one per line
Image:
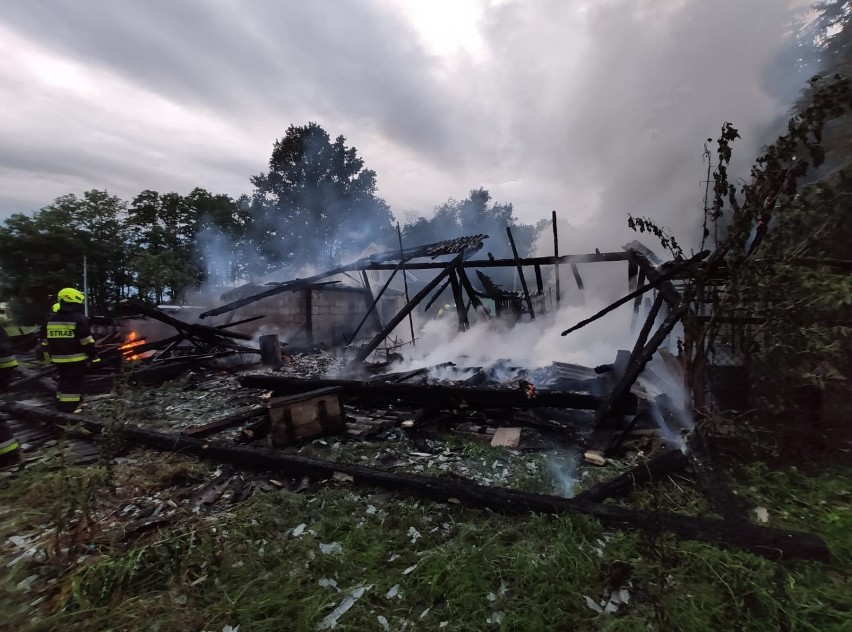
(657, 467)
(374, 302)
(405, 280)
(556, 260)
(478, 307)
(520, 273)
(202, 331)
(602, 435)
(223, 423)
(767, 542)
(510, 263)
(659, 280)
(654, 269)
(444, 395)
(371, 346)
(371, 302)
(458, 299)
(251, 319)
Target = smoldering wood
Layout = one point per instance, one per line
(202, 331)
(539, 281)
(374, 302)
(251, 319)
(637, 304)
(594, 257)
(520, 273)
(556, 259)
(478, 307)
(436, 295)
(659, 280)
(458, 299)
(602, 436)
(371, 346)
(145, 375)
(470, 243)
(405, 281)
(370, 303)
(228, 421)
(270, 350)
(767, 542)
(577, 278)
(654, 269)
(656, 467)
(443, 395)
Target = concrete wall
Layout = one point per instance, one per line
(335, 312)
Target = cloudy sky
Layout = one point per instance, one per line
(590, 107)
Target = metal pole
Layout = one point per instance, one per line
(85, 287)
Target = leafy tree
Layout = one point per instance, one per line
(41, 254)
(316, 201)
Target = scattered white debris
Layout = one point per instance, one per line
(299, 530)
(762, 514)
(331, 548)
(593, 605)
(409, 569)
(383, 622)
(443, 624)
(393, 557)
(371, 509)
(425, 612)
(491, 597)
(228, 628)
(330, 621)
(393, 592)
(496, 617)
(325, 582)
(27, 583)
(414, 534)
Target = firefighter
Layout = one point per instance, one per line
(71, 348)
(9, 452)
(8, 361)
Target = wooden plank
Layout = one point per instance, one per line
(520, 273)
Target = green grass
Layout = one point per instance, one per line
(453, 568)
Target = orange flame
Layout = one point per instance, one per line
(132, 340)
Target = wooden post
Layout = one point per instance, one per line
(539, 282)
(374, 303)
(309, 316)
(270, 350)
(556, 260)
(520, 273)
(371, 301)
(405, 281)
(478, 307)
(405, 311)
(458, 298)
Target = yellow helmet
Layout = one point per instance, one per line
(70, 295)
(55, 307)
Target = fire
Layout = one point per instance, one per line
(132, 340)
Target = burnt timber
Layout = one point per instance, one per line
(767, 542)
(442, 395)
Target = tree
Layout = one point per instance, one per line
(317, 201)
(41, 254)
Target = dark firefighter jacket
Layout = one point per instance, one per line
(69, 337)
(7, 358)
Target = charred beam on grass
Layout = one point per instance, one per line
(659, 466)
(602, 436)
(445, 395)
(767, 542)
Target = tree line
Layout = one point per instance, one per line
(317, 204)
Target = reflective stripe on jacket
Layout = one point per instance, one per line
(69, 336)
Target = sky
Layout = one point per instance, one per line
(592, 108)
